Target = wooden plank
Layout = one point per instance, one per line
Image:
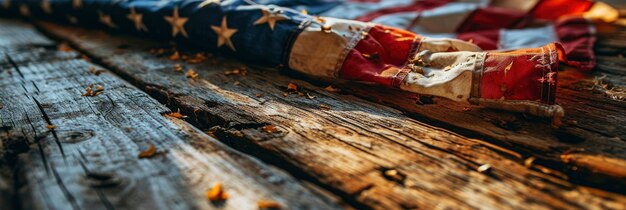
(371, 155)
(89, 160)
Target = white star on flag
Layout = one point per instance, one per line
(137, 19)
(77, 4)
(270, 17)
(24, 11)
(6, 4)
(106, 20)
(177, 23)
(224, 34)
(45, 6)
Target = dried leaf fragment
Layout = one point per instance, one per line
(292, 87)
(267, 204)
(258, 95)
(50, 126)
(324, 107)
(270, 129)
(216, 193)
(330, 88)
(242, 72)
(191, 74)
(148, 153)
(90, 91)
(175, 56)
(176, 114)
(197, 58)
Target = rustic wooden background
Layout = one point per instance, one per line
(361, 147)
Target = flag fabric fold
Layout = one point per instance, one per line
(497, 53)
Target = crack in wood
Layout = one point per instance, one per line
(53, 131)
(15, 66)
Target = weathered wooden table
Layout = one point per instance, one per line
(362, 147)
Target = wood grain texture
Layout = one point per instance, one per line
(371, 155)
(89, 160)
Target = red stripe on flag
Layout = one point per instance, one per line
(554, 9)
(528, 74)
(379, 56)
(491, 18)
(417, 6)
(486, 40)
(577, 36)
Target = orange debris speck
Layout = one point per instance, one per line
(50, 126)
(269, 129)
(175, 56)
(148, 153)
(178, 68)
(216, 193)
(267, 204)
(176, 114)
(191, 74)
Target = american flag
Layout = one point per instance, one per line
(497, 53)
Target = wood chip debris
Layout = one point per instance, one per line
(242, 72)
(330, 88)
(394, 175)
(93, 71)
(178, 68)
(310, 96)
(148, 153)
(91, 91)
(324, 107)
(191, 74)
(196, 58)
(484, 168)
(270, 129)
(268, 204)
(216, 193)
(529, 162)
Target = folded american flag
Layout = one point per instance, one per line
(509, 59)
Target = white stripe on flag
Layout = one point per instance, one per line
(526, 38)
